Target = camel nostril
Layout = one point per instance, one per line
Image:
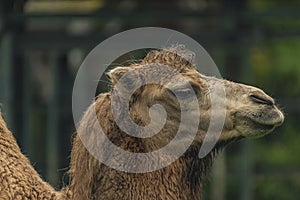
(261, 99)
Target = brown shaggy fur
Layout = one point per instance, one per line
(249, 113)
(18, 179)
(182, 179)
(93, 180)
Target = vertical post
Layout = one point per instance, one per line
(219, 178)
(6, 76)
(241, 72)
(218, 183)
(240, 62)
(27, 110)
(246, 171)
(247, 161)
(52, 148)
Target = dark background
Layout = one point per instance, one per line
(43, 42)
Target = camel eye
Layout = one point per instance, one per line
(184, 93)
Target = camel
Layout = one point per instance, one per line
(250, 113)
(18, 179)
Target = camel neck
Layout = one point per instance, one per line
(172, 182)
(18, 179)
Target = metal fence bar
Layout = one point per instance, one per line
(6, 73)
(219, 175)
(27, 108)
(247, 161)
(52, 141)
(146, 16)
(247, 192)
(218, 191)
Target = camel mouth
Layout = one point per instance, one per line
(263, 127)
(260, 129)
(260, 122)
(254, 129)
(267, 118)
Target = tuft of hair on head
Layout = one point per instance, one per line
(183, 52)
(175, 55)
(116, 73)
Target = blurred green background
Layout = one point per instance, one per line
(43, 42)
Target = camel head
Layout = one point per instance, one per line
(248, 111)
(153, 108)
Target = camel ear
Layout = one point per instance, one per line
(116, 73)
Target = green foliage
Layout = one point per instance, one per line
(277, 187)
(276, 67)
(278, 150)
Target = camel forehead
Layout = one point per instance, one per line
(173, 66)
(169, 75)
(176, 57)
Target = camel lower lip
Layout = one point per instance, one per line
(267, 122)
(264, 126)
